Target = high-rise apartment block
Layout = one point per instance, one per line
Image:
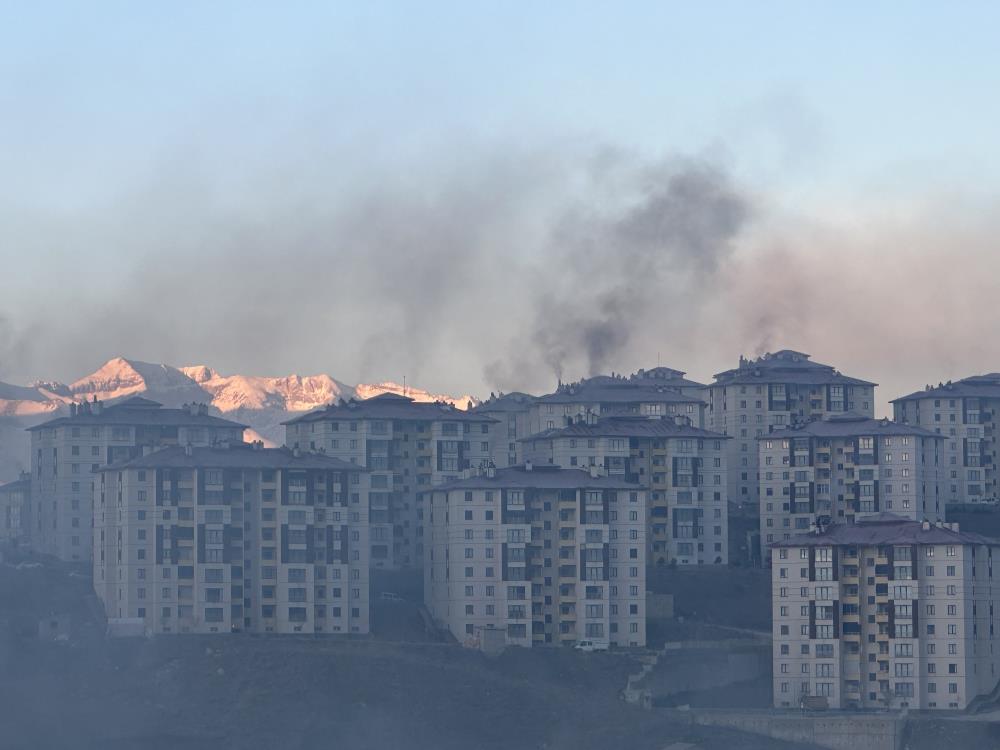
(241, 538)
(773, 392)
(512, 412)
(682, 468)
(964, 413)
(545, 555)
(844, 468)
(885, 613)
(407, 447)
(66, 451)
(14, 508)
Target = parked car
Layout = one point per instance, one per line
(592, 645)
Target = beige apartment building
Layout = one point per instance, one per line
(14, 508)
(407, 447)
(65, 453)
(641, 395)
(964, 413)
(772, 392)
(546, 556)
(512, 411)
(844, 468)
(885, 613)
(226, 539)
(682, 468)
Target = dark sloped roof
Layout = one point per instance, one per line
(785, 366)
(391, 406)
(506, 402)
(616, 391)
(884, 529)
(18, 485)
(651, 427)
(851, 424)
(243, 456)
(138, 412)
(977, 386)
(547, 477)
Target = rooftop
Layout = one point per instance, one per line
(885, 529)
(785, 366)
(537, 477)
(652, 427)
(137, 411)
(391, 406)
(851, 424)
(505, 402)
(239, 456)
(18, 485)
(612, 389)
(976, 386)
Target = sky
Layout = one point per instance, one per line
(487, 196)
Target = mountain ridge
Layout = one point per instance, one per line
(262, 402)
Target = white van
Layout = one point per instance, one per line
(592, 645)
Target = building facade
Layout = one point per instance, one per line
(773, 392)
(228, 539)
(407, 447)
(15, 500)
(964, 413)
(846, 467)
(885, 613)
(547, 556)
(682, 468)
(512, 412)
(66, 451)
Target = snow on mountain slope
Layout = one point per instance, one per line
(369, 390)
(120, 377)
(291, 393)
(24, 401)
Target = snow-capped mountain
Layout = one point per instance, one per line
(289, 393)
(261, 402)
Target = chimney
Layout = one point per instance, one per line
(189, 450)
(594, 471)
(528, 466)
(491, 470)
(925, 525)
(97, 407)
(193, 409)
(295, 452)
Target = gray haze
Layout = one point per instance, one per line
(493, 268)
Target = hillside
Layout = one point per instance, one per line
(389, 690)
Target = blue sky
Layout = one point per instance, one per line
(804, 95)
(817, 108)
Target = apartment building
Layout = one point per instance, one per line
(682, 468)
(642, 394)
(844, 468)
(512, 412)
(407, 447)
(772, 392)
(240, 538)
(542, 554)
(885, 613)
(14, 508)
(66, 451)
(964, 412)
